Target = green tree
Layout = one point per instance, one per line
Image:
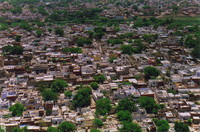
(126, 104)
(82, 41)
(124, 116)
(82, 98)
(94, 130)
(162, 125)
(49, 95)
(59, 31)
(13, 50)
(17, 129)
(52, 129)
(18, 38)
(2, 130)
(181, 127)
(17, 109)
(72, 50)
(66, 127)
(94, 85)
(49, 30)
(39, 33)
(68, 94)
(26, 26)
(150, 37)
(127, 49)
(196, 52)
(48, 112)
(98, 32)
(100, 78)
(115, 41)
(103, 106)
(42, 11)
(130, 127)
(59, 85)
(148, 103)
(151, 72)
(97, 123)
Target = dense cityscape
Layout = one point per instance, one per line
(99, 66)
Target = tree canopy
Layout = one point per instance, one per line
(162, 125)
(59, 31)
(181, 127)
(149, 104)
(68, 94)
(66, 127)
(126, 104)
(100, 78)
(130, 127)
(17, 109)
(103, 106)
(94, 85)
(124, 115)
(127, 49)
(52, 129)
(49, 95)
(82, 98)
(82, 41)
(13, 50)
(97, 123)
(59, 85)
(151, 72)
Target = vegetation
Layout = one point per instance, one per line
(94, 130)
(97, 123)
(162, 125)
(13, 50)
(94, 85)
(149, 104)
(72, 50)
(130, 127)
(82, 98)
(126, 104)
(66, 127)
(68, 94)
(111, 59)
(115, 41)
(58, 85)
(18, 38)
(17, 129)
(124, 116)
(49, 95)
(100, 78)
(127, 49)
(103, 106)
(181, 127)
(83, 41)
(17, 109)
(150, 37)
(151, 72)
(52, 129)
(59, 31)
